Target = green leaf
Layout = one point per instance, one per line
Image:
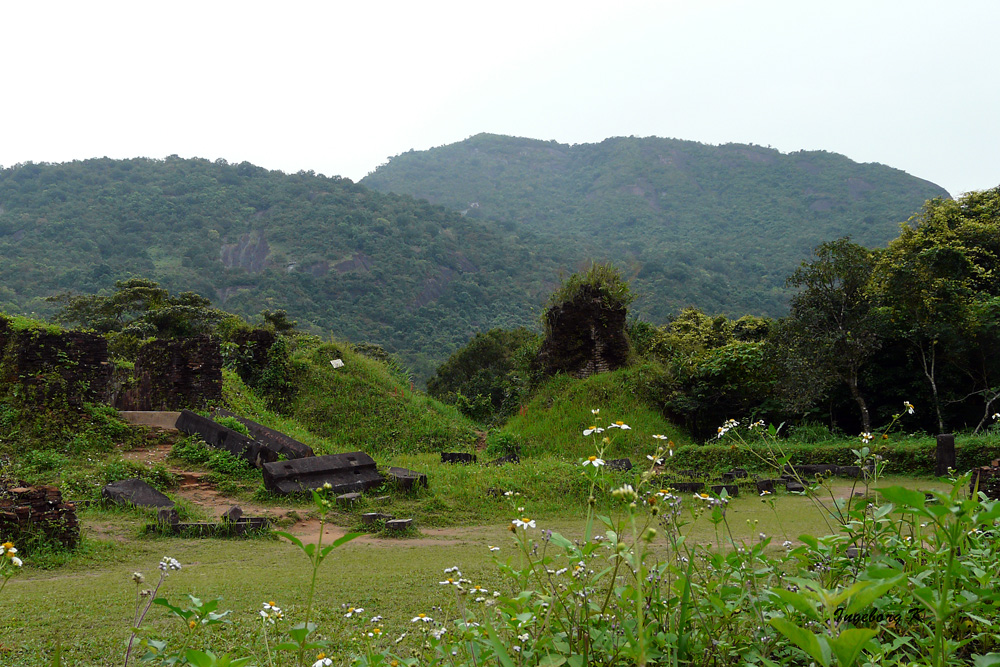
(291, 538)
(552, 660)
(867, 595)
(199, 658)
(848, 645)
(987, 660)
(797, 601)
(805, 640)
(498, 646)
(345, 539)
(904, 497)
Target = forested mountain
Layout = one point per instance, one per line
(339, 257)
(717, 227)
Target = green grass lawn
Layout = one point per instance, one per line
(85, 605)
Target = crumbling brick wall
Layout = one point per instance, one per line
(29, 510)
(51, 365)
(584, 336)
(175, 374)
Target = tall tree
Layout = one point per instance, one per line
(937, 285)
(833, 318)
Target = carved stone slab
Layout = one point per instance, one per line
(351, 472)
(220, 437)
(136, 492)
(273, 440)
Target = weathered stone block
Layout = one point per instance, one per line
(136, 492)
(220, 437)
(346, 473)
(406, 479)
(276, 441)
(398, 524)
(374, 517)
(232, 515)
(457, 457)
(348, 499)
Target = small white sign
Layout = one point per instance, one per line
(337, 363)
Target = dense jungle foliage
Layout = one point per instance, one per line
(688, 225)
(339, 257)
(718, 227)
(918, 321)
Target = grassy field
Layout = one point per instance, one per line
(86, 604)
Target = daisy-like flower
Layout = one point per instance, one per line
(322, 661)
(593, 429)
(996, 415)
(494, 549)
(479, 590)
(659, 436)
(595, 411)
(657, 460)
(866, 437)
(626, 492)
(376, 619)
(450, 582)
(594, 461)
(909, 407)
(765, 493)
(271, 613)
(354, 611)
(621, 425)
(16, 561)
(421, 618)
(8, 549)
(702, 496)
(453, 569)
(168, 563)
(525, 523)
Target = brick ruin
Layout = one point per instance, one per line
(27, 510)
(584, 336)
(171, 374)
(49, 365)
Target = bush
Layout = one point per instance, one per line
(502, 444)
(233, 424)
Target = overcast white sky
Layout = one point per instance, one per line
(339, 87)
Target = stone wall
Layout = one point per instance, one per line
(584, 336)
(28, 510)
(175, 374)
(51, 365)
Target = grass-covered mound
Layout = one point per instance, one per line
(554, 421)
(362, 405)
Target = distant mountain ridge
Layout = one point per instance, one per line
(719, 227)
(339, 257)
(715, 227)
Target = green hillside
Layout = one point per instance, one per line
(339, 257)
(718, 227)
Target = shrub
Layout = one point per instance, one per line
(234, 424)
